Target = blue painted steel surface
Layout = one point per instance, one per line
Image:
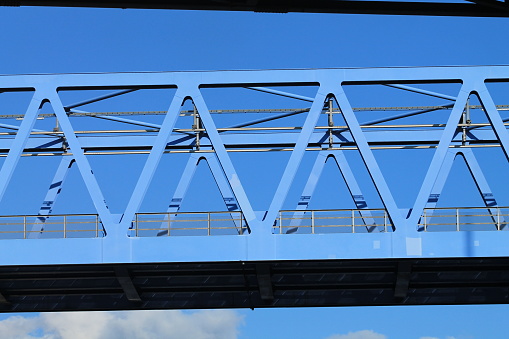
(53, 191)
(406, 241)
(346, 172)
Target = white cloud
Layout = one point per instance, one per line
(124, 325)
(364, 334)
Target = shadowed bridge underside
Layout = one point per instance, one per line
(475, 8)
(255, 284)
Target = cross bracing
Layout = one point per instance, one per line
(267, 163)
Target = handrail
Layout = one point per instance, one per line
(332, 221)
(52, 226)
(442, 219)
(189, 224)
(464, 219)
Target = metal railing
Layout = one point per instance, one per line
(189, 224)
(464, 219)
(53, 226)
(332, 221)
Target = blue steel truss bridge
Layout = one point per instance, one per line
(326, 187)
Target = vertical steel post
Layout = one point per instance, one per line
(457, 219)
(425, 217)
(24, 227)
(464, 120)
(331, 124)
(385, 220)
(137, 225)
(313, 222)
(353, 221)
(208, 223)
(97, 226)
(280, 223)
(169, 224)
(241, 222)
(498, 218)
(196, 125)
(65, 226)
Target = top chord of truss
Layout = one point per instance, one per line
(473, 8)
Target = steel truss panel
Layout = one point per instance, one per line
(406, 248)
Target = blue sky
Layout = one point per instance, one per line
(54, 40)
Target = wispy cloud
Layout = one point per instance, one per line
(369, 334)
(364, 334)
(116, 325)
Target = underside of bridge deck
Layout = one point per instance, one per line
(254, 284)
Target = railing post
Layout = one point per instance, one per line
(312, 222)
(96, 226)
(208, 223)
(241, 220)
(385, 220)
(457, 219)
(24, 227)
(498, 218)
(353, 221)
(169, 217)
(65, 226)
(280, 223)
(136, 225)
(425, 221)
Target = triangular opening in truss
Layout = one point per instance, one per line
(331, 191)
(208, 207)
(333, 198)
(202, 204)
(457, 204)
(203, 193)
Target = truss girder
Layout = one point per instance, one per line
(260, 243)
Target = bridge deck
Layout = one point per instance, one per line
(206, 268)
(241, 284)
